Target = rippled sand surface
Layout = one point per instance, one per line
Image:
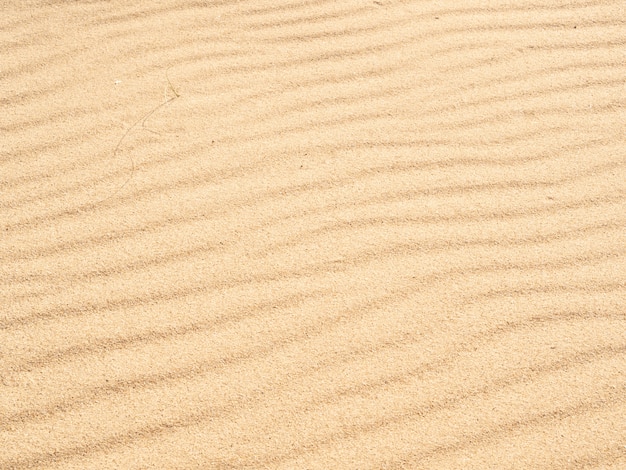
(315, 234)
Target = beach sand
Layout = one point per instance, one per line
(313, 234)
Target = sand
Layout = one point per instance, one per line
(313, 234)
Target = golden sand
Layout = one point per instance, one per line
(314, 234)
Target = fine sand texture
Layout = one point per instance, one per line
(313, 234)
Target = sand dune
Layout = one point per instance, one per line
(313, 234)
